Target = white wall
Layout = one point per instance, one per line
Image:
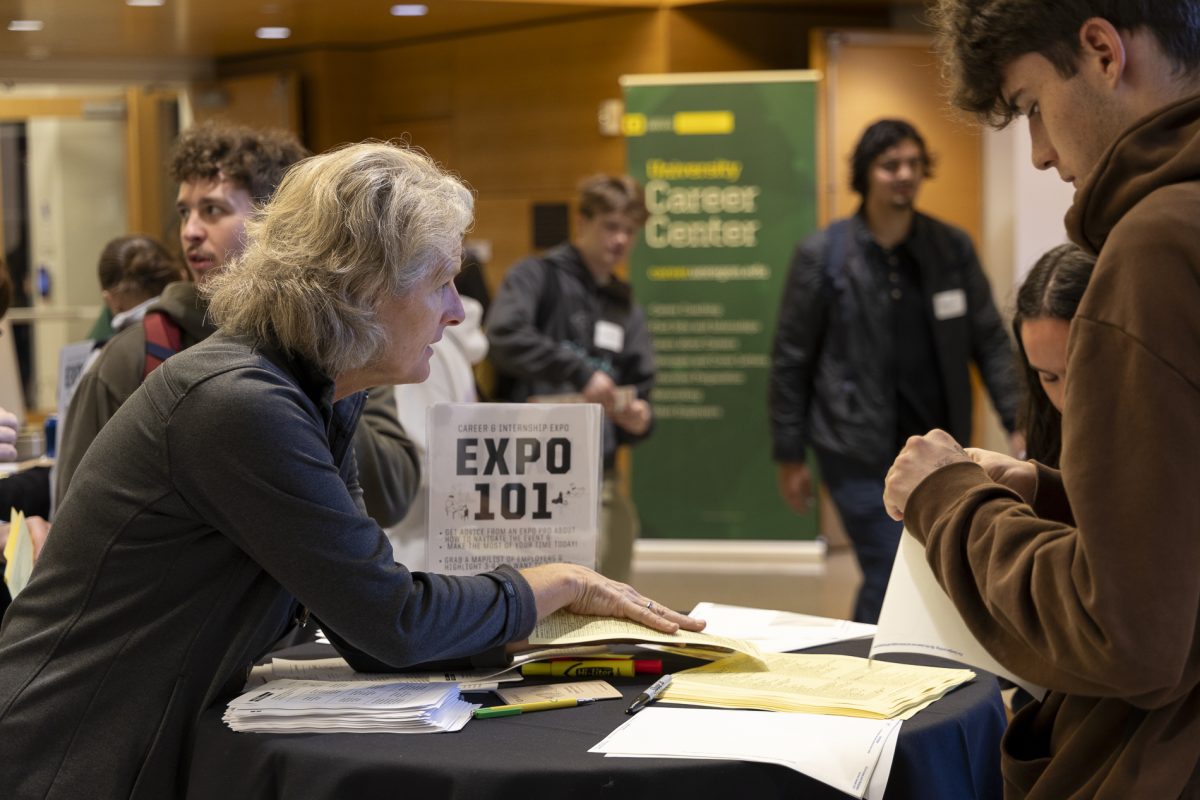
(1023, 212)
(76, 204)
(1023, 209)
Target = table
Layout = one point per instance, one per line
(949, 751)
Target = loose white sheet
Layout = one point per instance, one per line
(852, 755)
(918, 617)
(777, 631)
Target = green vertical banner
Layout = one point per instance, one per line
(729, 165)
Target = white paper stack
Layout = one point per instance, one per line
(777, 631)
(853, 755)
(299, 706)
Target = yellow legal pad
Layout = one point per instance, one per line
(18, 554)
(815, 684)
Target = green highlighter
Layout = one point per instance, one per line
(526, 708)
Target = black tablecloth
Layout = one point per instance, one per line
(949, 751)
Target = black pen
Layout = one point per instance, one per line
(651, 693)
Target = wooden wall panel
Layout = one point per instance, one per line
(434, 136)
(333, 91)
(503, 219)
(553, 64)
(519, 108)
(413, 82)
(267, 100)
(529, 123)
(514, 111)
(336, 97)
(872, 76)
(152, 121)
(708, 39)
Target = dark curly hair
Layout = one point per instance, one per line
(1051, 290)
(978, 39)
(254, 160)
(139, 264)
(880, 136)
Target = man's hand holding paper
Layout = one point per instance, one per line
(921, 456)
(1020, 476)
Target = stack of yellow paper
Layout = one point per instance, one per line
(816, 684)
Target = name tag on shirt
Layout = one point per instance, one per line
(609, 336)
(949, 304)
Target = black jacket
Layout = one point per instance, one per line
(388, 462)
(832, 373)
(541, 333)
(223, 491)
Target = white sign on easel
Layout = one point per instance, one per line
(73, 360)
(512, 483)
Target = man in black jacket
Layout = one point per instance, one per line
(564, 323)
(882, 314)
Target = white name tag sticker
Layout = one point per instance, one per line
(609, 336)
(949, 304)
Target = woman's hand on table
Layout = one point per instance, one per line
(583, 591)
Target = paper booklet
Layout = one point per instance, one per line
(918, 617)
(565, 629)
(513, 483)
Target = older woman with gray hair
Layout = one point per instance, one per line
(223, 494)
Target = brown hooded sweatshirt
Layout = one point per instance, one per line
(1099, 598)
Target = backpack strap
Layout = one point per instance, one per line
(504, 386)
(833, 283)
(837, 237)
(548, 300)
(164, 339)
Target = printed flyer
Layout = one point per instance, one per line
(513, 483)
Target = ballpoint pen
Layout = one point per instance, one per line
(525, 708)
(652, 692)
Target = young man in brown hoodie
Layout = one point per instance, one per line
(1097, 596)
